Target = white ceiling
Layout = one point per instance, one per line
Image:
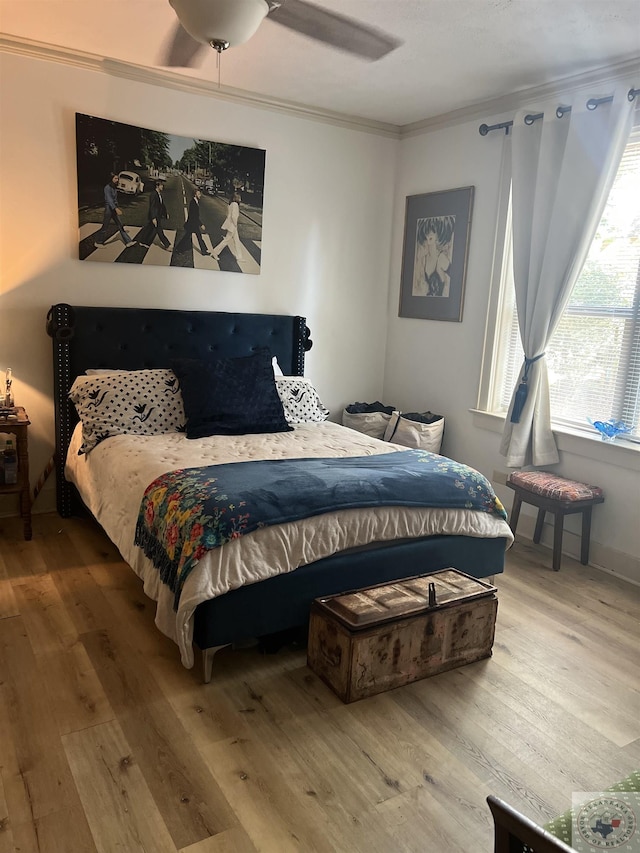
(455, 52)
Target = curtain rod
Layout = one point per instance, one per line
(529, 119)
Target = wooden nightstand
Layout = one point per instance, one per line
(19, 429)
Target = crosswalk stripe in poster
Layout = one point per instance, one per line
(149, 197)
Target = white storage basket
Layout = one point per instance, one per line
(422, 430)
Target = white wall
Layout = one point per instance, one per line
(436, 365)
(325, 243)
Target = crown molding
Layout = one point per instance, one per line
(169, 79)
(39, 50)
(519, 99)
(172, 80)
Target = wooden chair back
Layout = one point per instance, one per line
(515, 833)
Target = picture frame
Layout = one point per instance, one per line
(434, 255)
(148, 197)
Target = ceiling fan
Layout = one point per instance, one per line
(225, 23)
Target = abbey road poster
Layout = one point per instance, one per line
(148, 197)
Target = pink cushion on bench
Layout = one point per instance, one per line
(551, 486)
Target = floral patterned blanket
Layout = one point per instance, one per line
(187, 512)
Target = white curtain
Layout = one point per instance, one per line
(562, 172)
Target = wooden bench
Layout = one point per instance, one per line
(551, 493)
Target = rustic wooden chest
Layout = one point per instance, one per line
(374, 639)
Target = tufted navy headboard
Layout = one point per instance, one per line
(136, 338)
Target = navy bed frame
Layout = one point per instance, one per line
(136, 338)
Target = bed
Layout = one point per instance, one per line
(278, 596)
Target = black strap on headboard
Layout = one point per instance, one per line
(136, 338)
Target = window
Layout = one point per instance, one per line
(593, 359)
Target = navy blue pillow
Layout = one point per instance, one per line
(230, 396)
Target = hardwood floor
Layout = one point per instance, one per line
(108, 744)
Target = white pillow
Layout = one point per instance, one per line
(277, 370)
(300, 400)
(138, 402)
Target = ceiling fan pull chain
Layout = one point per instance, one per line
(218, 45)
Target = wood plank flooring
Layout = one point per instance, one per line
(108, 745)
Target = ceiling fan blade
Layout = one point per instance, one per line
(181, 50)
(334, 29)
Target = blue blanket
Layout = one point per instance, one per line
(188, 512)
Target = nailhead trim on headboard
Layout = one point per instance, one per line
(61, 317)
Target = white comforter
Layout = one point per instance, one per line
(113, 477)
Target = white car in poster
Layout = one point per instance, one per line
(130, 183)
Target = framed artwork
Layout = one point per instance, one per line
(434, 256)
(149, 197)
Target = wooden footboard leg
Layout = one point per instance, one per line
(207, 661)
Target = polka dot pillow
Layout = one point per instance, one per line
(138, 402)
(300, 400)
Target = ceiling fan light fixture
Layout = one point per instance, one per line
(218, 21)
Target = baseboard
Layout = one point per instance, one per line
(606, 559)
(45, 502)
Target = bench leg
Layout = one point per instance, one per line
(586, 535)
(537, 533)
(515, 513)
(558, 525)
